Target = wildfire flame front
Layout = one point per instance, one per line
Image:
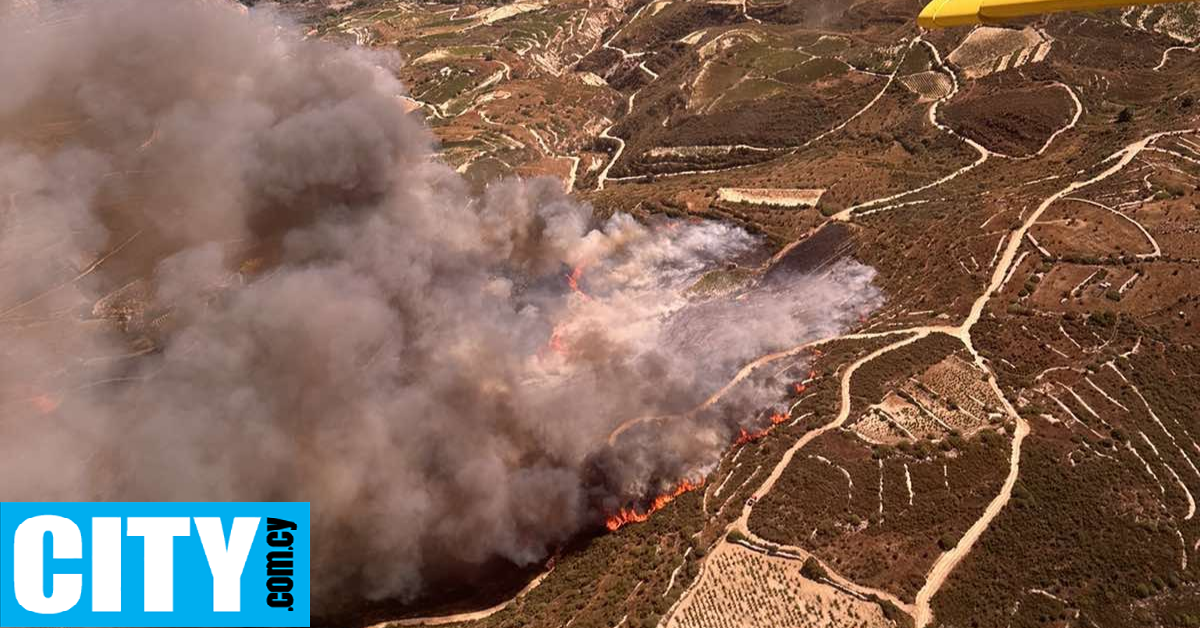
(630, 515)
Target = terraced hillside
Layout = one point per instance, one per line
(1013, 438)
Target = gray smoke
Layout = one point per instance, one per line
(233, 269)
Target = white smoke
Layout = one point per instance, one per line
(232, 271)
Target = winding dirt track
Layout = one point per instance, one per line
(620, 143)
(797, 553)
(747, 370)
(949, 560)
(945, 564)
(1070, 125)
(1167, 54)
(1157, 252)
(791, 150)
(1121, 158)
(843, 414)
(463, 617)
(984, 153)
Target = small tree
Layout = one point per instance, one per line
(813, 570)
(1125, 117)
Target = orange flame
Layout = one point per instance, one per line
(631, 515)
(555, 343)
(749, 437)
(799, 387)
(573, 281)
(45, 404)
(624, 516)
(150, 140)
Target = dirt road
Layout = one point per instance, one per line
(949, 560)
(464, 617)
(843, 414)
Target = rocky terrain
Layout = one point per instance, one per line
(1012, 439)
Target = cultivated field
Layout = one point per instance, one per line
(741, 588)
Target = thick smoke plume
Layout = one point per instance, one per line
(233, 269)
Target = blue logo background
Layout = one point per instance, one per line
(193, 591)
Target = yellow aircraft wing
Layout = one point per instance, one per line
(941, 13)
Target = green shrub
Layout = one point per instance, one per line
(813, 570)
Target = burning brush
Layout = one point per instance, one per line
(381, 359)
(631, 515)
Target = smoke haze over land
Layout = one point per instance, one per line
(233, 269)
